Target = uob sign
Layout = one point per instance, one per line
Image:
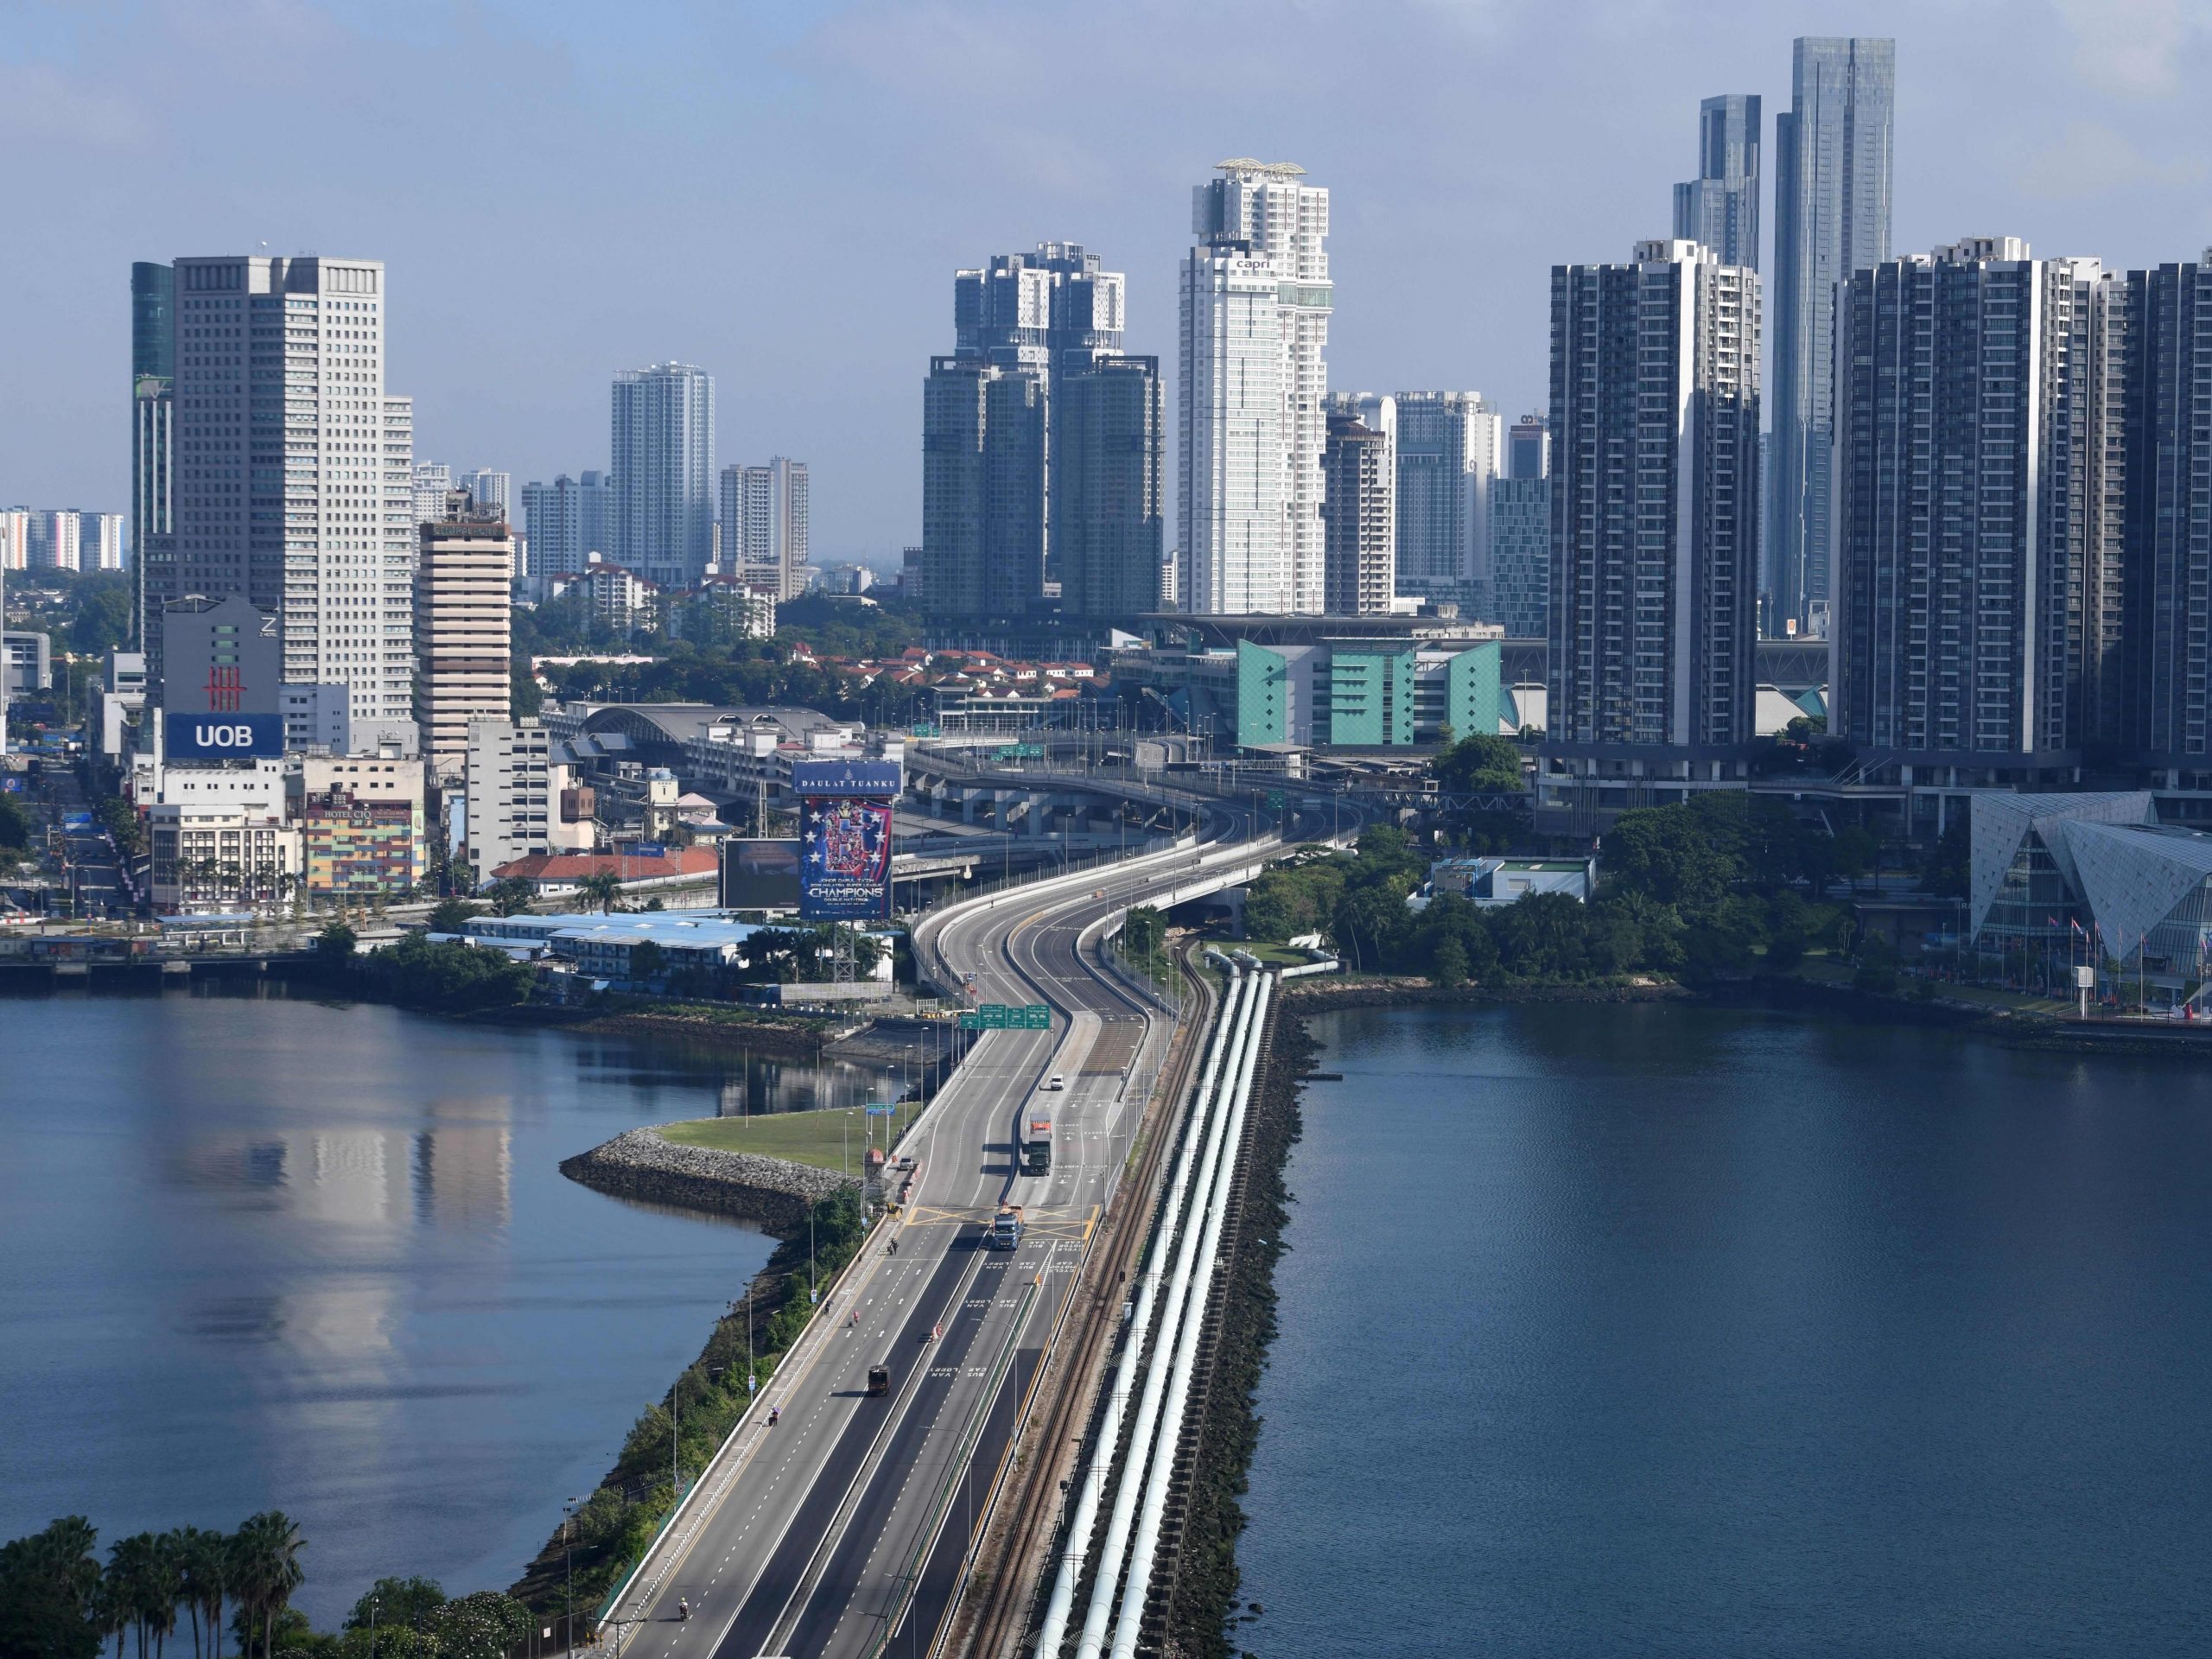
(224, 737)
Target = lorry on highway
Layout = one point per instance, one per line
(1037, 1148)
(1005, 1232)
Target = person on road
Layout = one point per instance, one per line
(683, 1608)
(774, 1412)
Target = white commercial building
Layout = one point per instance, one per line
(487, 489)
(517, 775)
(764, 526)
(432, 482)
(280, 371)
(1252, 427)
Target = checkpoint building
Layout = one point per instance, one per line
(2093, 877)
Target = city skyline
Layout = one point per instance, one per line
(2081, 113)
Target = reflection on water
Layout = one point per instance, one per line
(271, 1252)
(1715, 1332)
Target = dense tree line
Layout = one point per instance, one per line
(58, 1600)
(1699, 890)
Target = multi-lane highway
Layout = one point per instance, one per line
(841, 1530)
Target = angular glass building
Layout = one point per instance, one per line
(2093, 879)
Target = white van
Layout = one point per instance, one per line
(1055, 1083)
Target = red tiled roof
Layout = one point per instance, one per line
(574, 867)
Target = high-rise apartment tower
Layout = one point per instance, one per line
(664, 445)
(1251, 427)
(1655, 421)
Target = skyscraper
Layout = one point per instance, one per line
(1521, 533)
(664, 443)
(433, 482)
(982, 488)
(1968, 475)
(764, 513)
(1655, 425)
(1111, 429)
(1447, 450)
(566, 523)
(1038, 370)
(1251, 427)
(487, 489)
(1831, 219)
(1359, 522)
(2165, 597)
(463, 624)
(1720, 207)
(292, 468)
(153, 437)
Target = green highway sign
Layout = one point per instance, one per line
(1021, 752)
(999, 1016)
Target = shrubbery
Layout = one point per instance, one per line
(1694, 890)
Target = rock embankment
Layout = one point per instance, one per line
(771, 1191)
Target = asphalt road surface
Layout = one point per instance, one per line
(841, 1531)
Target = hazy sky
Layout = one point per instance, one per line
(781, 194)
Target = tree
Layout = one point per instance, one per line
(1450, 959)
(1949, 871)
(648, 961)
(1479, 764)
(265, 1570)
(51, 1604)
(1673, 854)
(395, 1601)
(1144, 930)
(511, 895)
(486, 1626)
(336, 941)
(15, 824)
(600, 887)
(1855, 850)
(448, 915)
(201, 1558)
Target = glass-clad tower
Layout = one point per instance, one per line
(1831, 220)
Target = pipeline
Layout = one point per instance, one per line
(1102, 1455)
(1131, 1615)
(1173, 1315)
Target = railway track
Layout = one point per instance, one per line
(1004, 1608)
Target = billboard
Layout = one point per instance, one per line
(759, 874)
(844, 832)
(222, 737)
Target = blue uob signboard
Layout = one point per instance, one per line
(223, 737)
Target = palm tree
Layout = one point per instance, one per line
(130, 1581)
(269, 1546)
(199, 1563)
(600, 887)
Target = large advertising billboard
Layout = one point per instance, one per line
(759, 874)
(844, 834)
(222, 737)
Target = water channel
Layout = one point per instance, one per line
(1681, 1331)
(266, 1252)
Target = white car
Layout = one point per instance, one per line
(1054, 1083)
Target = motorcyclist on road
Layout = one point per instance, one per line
(774, 1414)
(683, 1608)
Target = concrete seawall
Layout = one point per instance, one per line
(769, 1191)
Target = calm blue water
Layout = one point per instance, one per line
(1666, 1331)
(267, 1253)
